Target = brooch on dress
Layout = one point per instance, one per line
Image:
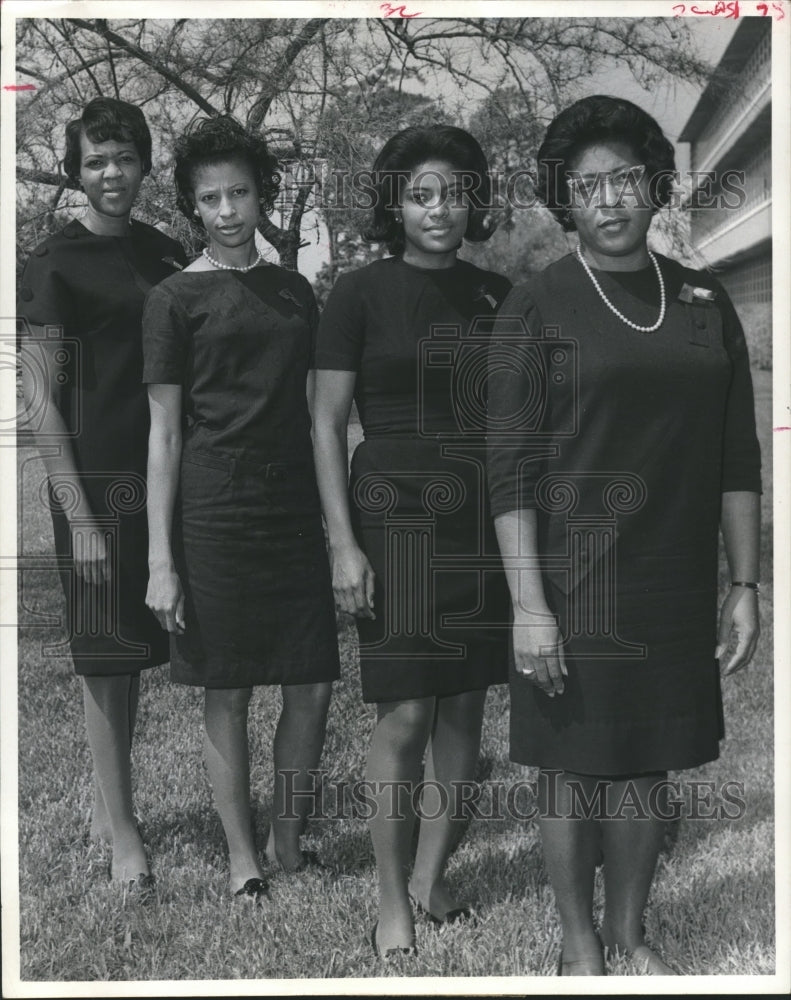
(173, 263)
(286, 293)
(482, 293)
(689, 293)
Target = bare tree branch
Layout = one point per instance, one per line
(59, 56)
(46, 177)
(275, 82)
(67, 34)
(329, 89)
(111, 63)
(300, 202)
(150, 60)
(54, 81)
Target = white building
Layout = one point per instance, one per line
(729, 131)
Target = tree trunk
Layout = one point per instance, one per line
(288, 249)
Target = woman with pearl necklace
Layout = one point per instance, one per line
(621, 436)
(238, 568)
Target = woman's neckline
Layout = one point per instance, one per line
(426, 270)
(646, 268)
(263, 266)
(107, 236)
(639, 270)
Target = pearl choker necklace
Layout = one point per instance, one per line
(231, 267)
(618, 313)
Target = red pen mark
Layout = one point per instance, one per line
(729, 9)
(20, 86)
(397, 10)
(722, 8)
(781, 428)
(764, 9)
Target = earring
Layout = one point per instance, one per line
(196, 213)
(398, 219)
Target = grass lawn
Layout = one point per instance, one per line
(711, 909)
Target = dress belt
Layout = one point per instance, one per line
(234, 463)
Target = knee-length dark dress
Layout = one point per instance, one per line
(417, 488)
(248, 537)
(92, 288)
(624, 443)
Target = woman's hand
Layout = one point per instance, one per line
(538, 650)
(41, 355)
(90, 551)
(165, 597)
(352, 581)
(738, 615)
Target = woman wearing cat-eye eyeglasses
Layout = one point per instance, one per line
(621, 435)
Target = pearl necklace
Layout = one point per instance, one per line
(618, 313)
(231, 267)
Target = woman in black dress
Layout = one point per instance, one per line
(91, 414)
(239, 572)
(622, 433)
(412, 550)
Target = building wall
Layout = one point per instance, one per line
(750, 280)
(730, 130)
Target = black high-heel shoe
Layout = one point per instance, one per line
(411, 950)
(310, 859)
(254, 888)
(454, 916)
(143, 886)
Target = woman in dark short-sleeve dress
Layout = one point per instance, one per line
(412, 547)
(622, 434)
(90, 281)
(239, 572)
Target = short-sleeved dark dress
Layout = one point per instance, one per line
(417, 339)
(93, 287)
(248, 537)
(624, 443)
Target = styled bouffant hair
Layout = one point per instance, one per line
(218, 140)
(408, 149)
(596, 119)
(105, 119)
